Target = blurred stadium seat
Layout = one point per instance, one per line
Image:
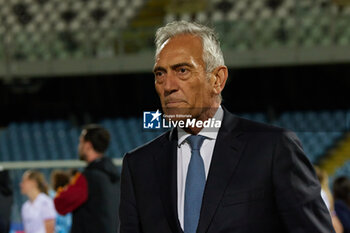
(318, 131)
(47, 30)
(44, 30)
(57, 140)
(343, 171)
(256, 24)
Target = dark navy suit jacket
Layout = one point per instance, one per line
(259, 181)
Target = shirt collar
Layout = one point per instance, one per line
(210, 134)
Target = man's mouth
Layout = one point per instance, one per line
(170, 103)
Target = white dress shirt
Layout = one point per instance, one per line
(184, 156)
(34, 214)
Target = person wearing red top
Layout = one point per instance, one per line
(71, 197)
(92, 196)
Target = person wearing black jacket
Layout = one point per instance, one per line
(92, 195)
(6, 200)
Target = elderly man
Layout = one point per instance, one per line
(240, 177)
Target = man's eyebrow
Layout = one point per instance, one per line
(173, 67)
(159, 68)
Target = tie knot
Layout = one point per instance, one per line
(195, 141)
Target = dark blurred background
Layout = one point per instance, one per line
(259, 89)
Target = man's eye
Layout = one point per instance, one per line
(182, 70)
(159, 76)
(159, 73)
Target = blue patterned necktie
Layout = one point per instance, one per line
(195, 183)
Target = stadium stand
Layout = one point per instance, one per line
(337, 156)
(343, 171)
(46, 30)
(318, 131)
(285, 23)
(58, 139)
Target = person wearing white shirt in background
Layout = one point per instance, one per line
(38, 212)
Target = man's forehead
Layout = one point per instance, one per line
(181, 48)
(182, 41)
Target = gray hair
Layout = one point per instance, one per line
(212, 54)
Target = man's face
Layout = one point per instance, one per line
(181, 80)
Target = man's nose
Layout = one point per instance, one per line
(170, 84)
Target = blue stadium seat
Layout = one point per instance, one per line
(51, 141)
(113, 150)
(342, 171)
(25, 137)
(38, 140)
(73, 141)
(4, 148)
(14, 142)
(318, 131)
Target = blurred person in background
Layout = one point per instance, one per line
(6, 200)
(60, 179)
(92, 196)
(328, 199)
(341, 192)
(38, 212)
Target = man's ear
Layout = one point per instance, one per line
(220, 75)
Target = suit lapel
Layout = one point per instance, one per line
(226, 155)
(166, 168)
